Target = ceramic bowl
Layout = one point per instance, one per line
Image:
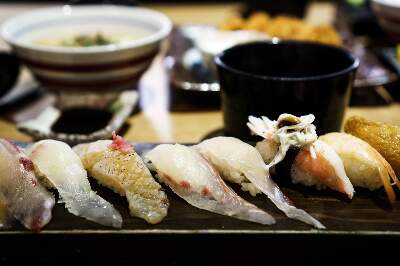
(115, 66)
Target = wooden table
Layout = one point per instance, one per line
(155, 123)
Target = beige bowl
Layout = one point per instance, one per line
(116, 66)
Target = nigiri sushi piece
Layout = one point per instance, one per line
(315, 164)
(238, 161)
(280, 135)
(192, 178)
(26, 199)
(116, 165)
(61, 168)
(319, 165)
(364, 165)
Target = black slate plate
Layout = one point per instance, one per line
(367, 214)
(364, 223)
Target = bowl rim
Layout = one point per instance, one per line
(218, 61)
(160, 34)
(386, 4)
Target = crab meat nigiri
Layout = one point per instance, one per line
(240, 162)
(116, 165)
(62, 169)
(364, 165)
(25, 198)
(315, 164)
(280, 135)
(192, 178)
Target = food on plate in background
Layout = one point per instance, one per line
(87, 40)
(385, 138)
(364, 165)
(241, 163)
(284, 27)
(61, 168)
(316, 163)
(211, 42)
(116, 165)
(192, 178)
(26, 199)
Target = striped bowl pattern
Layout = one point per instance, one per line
(99, 68)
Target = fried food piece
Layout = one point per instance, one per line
(385, 138)
(284, 27)
(232, 23)
(258, 21)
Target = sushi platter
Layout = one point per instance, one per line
(177, 212)
(192, 197)
(366, 214)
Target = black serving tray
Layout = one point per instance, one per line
(362, 223)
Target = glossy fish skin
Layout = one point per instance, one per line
(364, 165)
(233, 157)
(385, 138)
(62, 169)
(192, 178)
(26, 199)
(127, 175)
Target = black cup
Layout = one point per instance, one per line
(271, 78)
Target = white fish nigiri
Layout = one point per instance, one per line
(238, 161)
(192, 178)
(26, 199)
(318, 164)
(363, 164)
(62, 169)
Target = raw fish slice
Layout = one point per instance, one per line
(234, 158)
(364, 165)
(62, 169)
(117, 166)
(319, 165)
(192, 178)
(26, 199)
(280, 135)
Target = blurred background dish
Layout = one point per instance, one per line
(388, 15)
(40, 39)
(9, 72)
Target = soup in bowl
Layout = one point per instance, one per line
(87, 48)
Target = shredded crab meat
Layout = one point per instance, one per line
(119, 143)
(288, 131)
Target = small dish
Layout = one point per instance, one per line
(119, 108)
(113, 66)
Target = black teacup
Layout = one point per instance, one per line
(270, 78)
